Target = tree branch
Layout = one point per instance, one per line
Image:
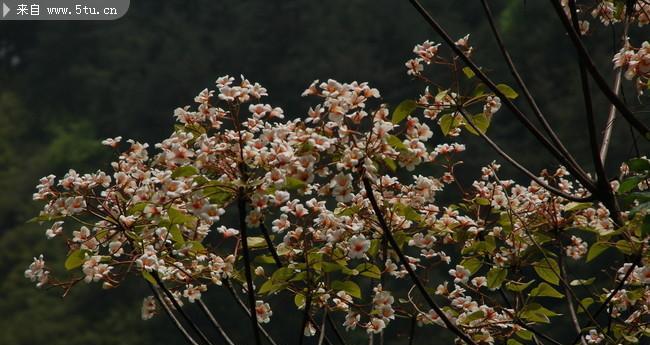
(604, 189)
(247, 311)
(214, 322)
(585, 180)
(241, 206)
(517, 165)
(178, 308)
(598, 78)
(384, 227)
(171, 315)
(522, 85)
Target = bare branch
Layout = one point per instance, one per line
(171, 315)
(598, 78)
(578, 173)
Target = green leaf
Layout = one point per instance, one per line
(512, 341)
(468, 72)
(177, 236)
(645, 226)
(472, 264)
(639, 165)
(625, 247)
(482, 201)
(629, 184)
(507, 91)
(348, 286)
(585, 282)
(403, 110)
(185, 171)
(576, 206)
(407, 212)
(299, 300)
(146, 275)
(481, 122)
(477, 315)
(517, 286)
(369, 270)
(179, 217)
(390, 164)
(524, 334)
(537, 313)
(441, 95)
(596, 249)
(585, 303)
(548, 270)
(545, 290)
(292, 183)
(269, 286)
(495, 277)
(396, 143)
(264, 259)
(256, 242)
(75, 259)
(137, 208)
(446, 123)
(282, 274)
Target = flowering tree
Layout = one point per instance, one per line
(325, 208)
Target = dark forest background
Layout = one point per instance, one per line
(64, 86)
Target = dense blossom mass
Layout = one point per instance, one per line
(308, 186)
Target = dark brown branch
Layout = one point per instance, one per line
(569, 294)
(598, 78)
(241, 207)
(611, 295)
(517, 165)
(414, 321)
(305, 319)
(384, 227)
(522, 85)
(332, 325)
(270, 245)
(247, 311)
(586, 182)
(604, 189)
(171, 315)
(178, 308)
(214, 322)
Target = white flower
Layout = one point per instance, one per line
(358, 246)
(55, 230)
(594, 337)
(376, 325)
(460, 274)
(263, 312)
(148, 308)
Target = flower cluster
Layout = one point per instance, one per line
(341, 216)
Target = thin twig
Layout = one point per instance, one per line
(598, 78)
(578, 173)
(214, 322)
(178, 308)
(246, 310)
(568, 292)
(609, 125)
(269, 244)
(171, 315)
(322, 328)
(605, 191)
(522, 85)
(517, 165)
